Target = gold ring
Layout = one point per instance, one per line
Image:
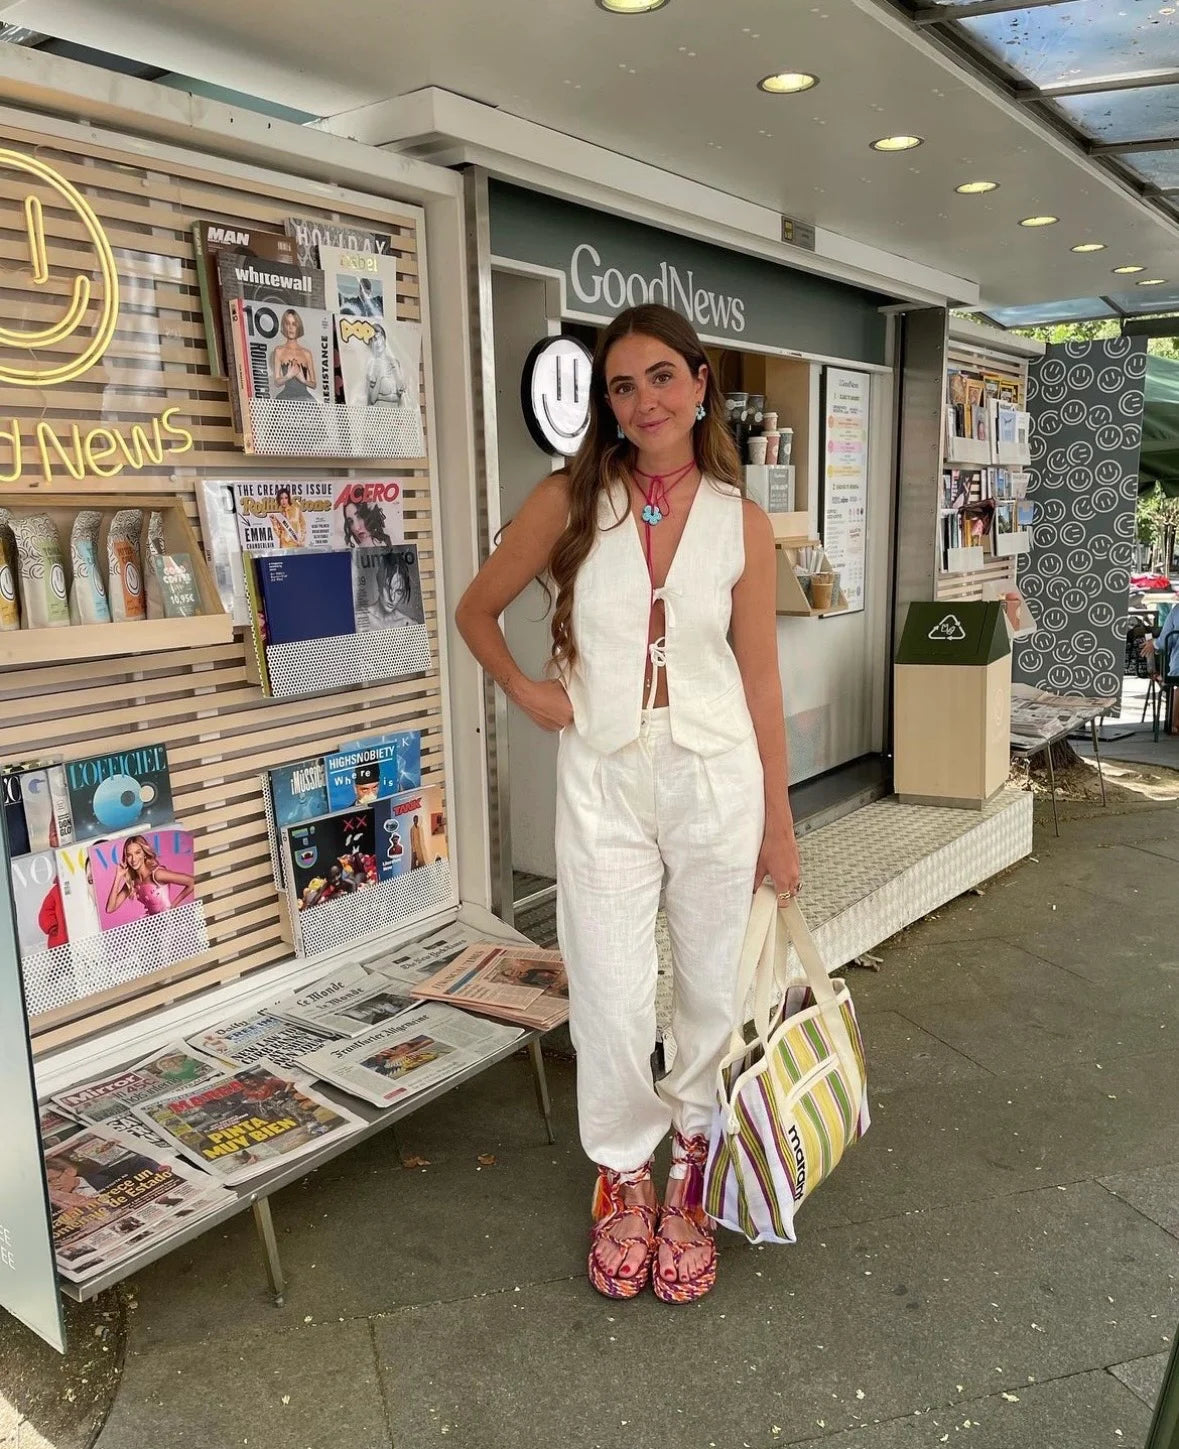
(785, 896)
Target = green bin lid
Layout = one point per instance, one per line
(951, 633)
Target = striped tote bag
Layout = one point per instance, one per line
(791, 1097)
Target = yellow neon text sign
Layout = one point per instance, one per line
(103, 451)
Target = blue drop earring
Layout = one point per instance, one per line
(621, 434)
(701, 412)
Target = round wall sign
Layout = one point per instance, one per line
(554, 393)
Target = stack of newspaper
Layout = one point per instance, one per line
(517, 983)
(419, 1049)
(1038, 715)
(112, 1195)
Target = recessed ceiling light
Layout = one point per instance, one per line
(976, 188)
(1126, 271)
(788, 82)
(1153, 282)
(1088, 247)
(897, 143)
(1039, 221)
(630, 7)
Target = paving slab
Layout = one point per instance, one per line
(370, 1234)
(310, 1388)
(1154, 1191)
(901, 1312)
(902, 1055)
(1084, 1411)
(1143, 1376)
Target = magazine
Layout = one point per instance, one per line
(98, 1101)
(109, 1198)
(309, 233)
(367, 515)
(120, 791)
(242, 1125)
(379, 361)
(299, 792)
(222, 546)
(373, 770)
(360, 283)
(77, 892)
(416, 1051)
(409, 831)
(347, 1003)
(14, 811)
(517, 983)
(247, 1040)
(36, 895)
(278, 513)
(141, 875)
(386, 588)
(211, 237)
(257, 297)
(329, 857)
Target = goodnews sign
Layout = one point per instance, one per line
(610, 264)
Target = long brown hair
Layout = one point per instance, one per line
(604, 458)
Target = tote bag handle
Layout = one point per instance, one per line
(763, 967)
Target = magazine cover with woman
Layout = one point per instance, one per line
(141, 875)
(284, 513)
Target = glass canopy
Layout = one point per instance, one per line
(1149, 114)
(1159, 168)
(1081, 40)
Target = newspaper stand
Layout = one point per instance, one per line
(186, 681)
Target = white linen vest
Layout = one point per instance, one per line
(611, 618)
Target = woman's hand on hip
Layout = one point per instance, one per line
(546, 703)
(779, 860)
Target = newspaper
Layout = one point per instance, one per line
(404, 1057)
(347, 1003)
(110, 1101)
(260, 1037)
(517, 983)
(417, 959)
(1038, 716)
(57, 1128)
(109, 1198)
(238, 1127)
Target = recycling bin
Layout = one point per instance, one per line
(952, 705)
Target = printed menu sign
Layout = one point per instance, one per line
(845, 478)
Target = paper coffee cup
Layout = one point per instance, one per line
(769, 422)
(821, 590)
(773, 443)
(785, 446)
(757, 450)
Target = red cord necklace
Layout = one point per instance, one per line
(656, 504)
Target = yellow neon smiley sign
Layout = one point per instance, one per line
(81, 294)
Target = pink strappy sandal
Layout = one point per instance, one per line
(688, 1157)
(609, 1209)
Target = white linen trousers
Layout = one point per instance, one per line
(650, 816)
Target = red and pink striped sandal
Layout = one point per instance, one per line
(688, 1157)
(608, 1210)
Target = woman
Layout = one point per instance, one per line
(364, 525)
(671, 766)
(292, 366)
(384, 379)
(288, 521)
(140, 876)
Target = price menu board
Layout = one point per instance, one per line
(846, 398)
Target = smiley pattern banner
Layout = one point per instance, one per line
(1085, 399)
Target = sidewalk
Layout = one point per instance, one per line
(995, 1264)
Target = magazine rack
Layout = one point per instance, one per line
(316, 666)
(61, 975)
(212, 625)
(340, 430)
(401, 901)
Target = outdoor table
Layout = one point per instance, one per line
(1029, 748)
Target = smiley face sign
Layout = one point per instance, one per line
(80, 309)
